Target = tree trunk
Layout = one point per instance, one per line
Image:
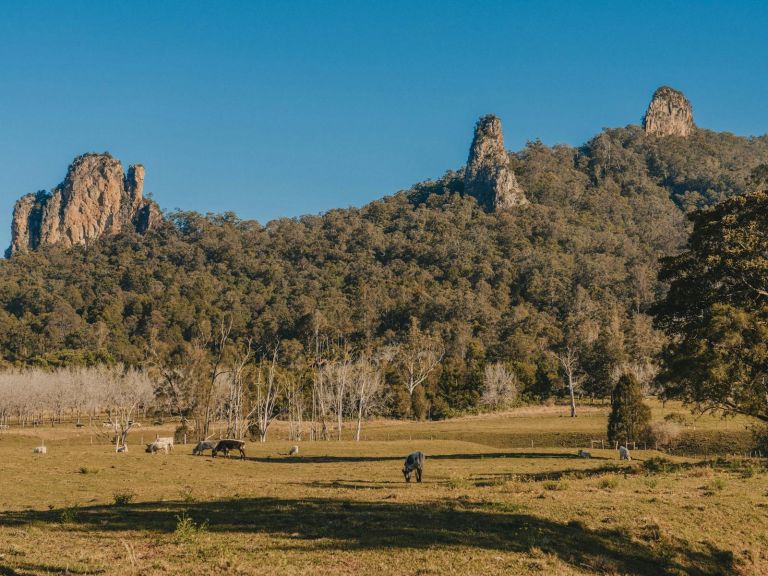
(359, 421)
(573, 397)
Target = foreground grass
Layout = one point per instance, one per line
(343, 508)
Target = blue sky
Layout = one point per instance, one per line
(276, 109)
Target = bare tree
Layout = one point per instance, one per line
(216, 368)
(122, 393)
(295, 404)
(265, 392)
(499, 386)
(235, 400)
(419, 356)
(336, 376)
(569, 361)
(366, 387)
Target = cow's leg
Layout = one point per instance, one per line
(242, 453)
(418, 474)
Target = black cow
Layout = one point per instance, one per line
(226, 445)
(413, 462)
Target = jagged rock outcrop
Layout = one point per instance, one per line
(668, 114)
(95, 199)
(488, 176)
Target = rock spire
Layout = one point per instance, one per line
(488, 176)
(668, 114)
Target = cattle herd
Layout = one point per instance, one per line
(414, 462)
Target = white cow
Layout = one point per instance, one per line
(624, 453)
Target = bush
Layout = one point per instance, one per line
(555, 485)
(716, 485)
(69, 514)
(659, 465)
(664, 433)
(187, 530)
(123, 498)
(608, 483)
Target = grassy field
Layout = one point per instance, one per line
(343, 508)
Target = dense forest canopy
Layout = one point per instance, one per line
(577, 268)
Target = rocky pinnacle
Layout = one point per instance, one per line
(668, 114)
(95, 199)
(488, 177)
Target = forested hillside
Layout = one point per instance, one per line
(576, 268)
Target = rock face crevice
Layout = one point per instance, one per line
(95, 199)
(488, 177)
(668, 114)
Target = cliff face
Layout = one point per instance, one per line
(95, 199)
(488, 176)
(668, 114)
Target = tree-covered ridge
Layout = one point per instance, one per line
(577, 267)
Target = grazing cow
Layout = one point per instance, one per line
(157, 446)
(164, 443)
(413, 462)
(624, 453)
(584, 454)
(204, 445)
(294, 451)
(167, 440)
(40, 450)
(227, 445)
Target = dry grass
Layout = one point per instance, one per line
(343, 508)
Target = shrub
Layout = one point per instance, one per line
(123, 498)
(555, 485)
(658, 465)
(608, 483)
(664, 433)
(716, 485)
(187, 530)
(69, 514)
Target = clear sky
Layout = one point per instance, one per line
(281, 108)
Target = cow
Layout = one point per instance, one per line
(294, 451)
(413, 462)
(158, 446)
(624, 453)
(228, 444)
(204, 445)
(40, 450)
(584, 454)
(167, 440)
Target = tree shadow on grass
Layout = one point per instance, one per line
(26, 569)
(477, 456)
(354, 525)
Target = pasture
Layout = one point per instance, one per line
(489, 504)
